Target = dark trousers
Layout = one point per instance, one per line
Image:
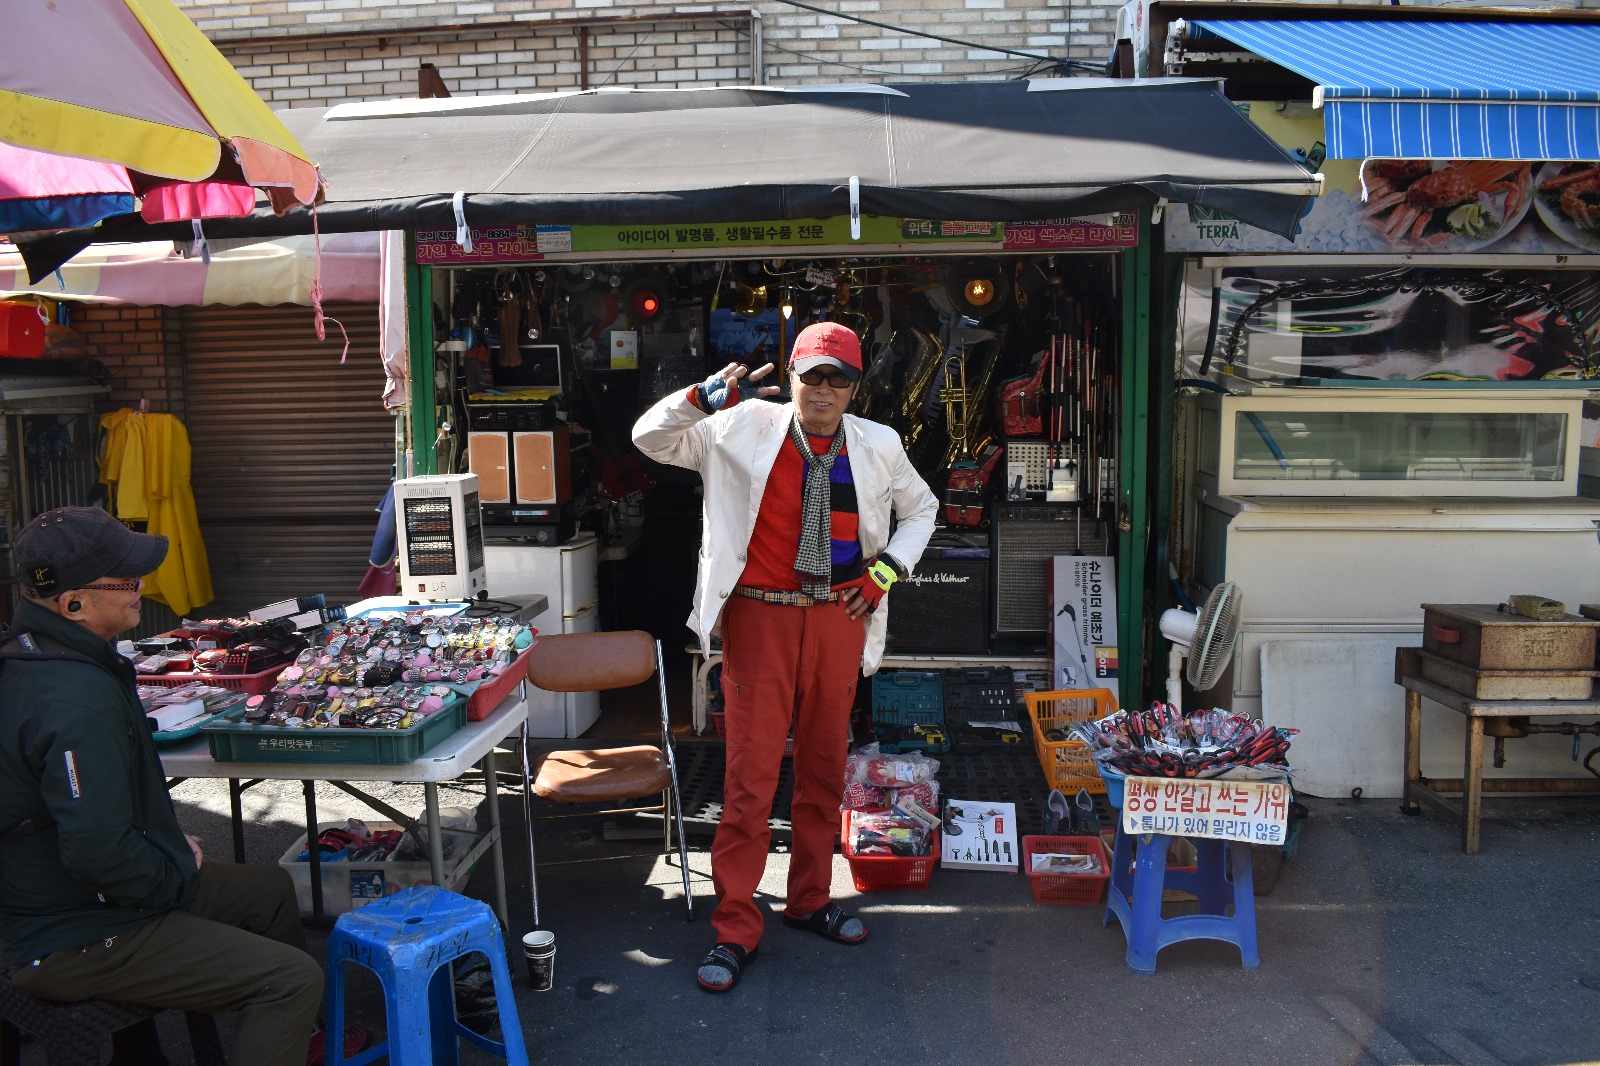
(237, 947)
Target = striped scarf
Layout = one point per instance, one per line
(814, 557)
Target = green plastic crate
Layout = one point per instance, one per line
(234, 741)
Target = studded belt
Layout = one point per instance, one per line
(786, 597)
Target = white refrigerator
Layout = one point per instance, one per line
(569, 576)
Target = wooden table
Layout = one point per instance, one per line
(1471, 785)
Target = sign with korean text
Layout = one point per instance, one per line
(1251, 812)
(1084, 621)
(531, 243)
(1068, 234)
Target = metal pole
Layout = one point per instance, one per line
(236, 815)
(315, 853)
(527, 821)
(435, 836)
(419, 343)
(1133, 472)
(758, 36)
(491, 792)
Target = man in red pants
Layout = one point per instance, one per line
(795, 563)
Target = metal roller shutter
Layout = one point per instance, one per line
(292, 451)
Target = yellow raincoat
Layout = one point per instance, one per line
(145, 466)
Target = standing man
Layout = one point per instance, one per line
(101, 894)
(795, 562)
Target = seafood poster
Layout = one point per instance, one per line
(1391, 323)
(1432, 206)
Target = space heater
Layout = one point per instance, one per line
(440, 531)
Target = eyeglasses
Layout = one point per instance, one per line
(836, 379)
(114, 586)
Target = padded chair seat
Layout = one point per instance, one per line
(601, 776)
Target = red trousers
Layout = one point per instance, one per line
(781, 663)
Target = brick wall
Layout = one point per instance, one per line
(312, 52)
(139, 347)
(316, 52)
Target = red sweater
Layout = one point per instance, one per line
(776, 536)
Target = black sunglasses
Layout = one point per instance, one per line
(836, 379)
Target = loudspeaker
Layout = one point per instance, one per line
(944, 607)
(1026, 538)
(521, 468)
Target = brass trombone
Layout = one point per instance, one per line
(929, 358)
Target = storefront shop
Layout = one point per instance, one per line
(1389, 408)
(912, 214)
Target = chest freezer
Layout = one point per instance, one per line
(1332, 586)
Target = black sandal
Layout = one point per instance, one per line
(730, 957)
(827, 921)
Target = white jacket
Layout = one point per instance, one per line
(733, 450)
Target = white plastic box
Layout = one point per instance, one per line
(348, 885)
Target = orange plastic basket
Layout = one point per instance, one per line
(1067, 764)
(1071, 890)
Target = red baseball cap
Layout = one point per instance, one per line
(827, 344)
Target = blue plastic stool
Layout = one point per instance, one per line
(409, 940)
(1135, 898)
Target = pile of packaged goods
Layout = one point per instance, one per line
(221, 646)
(356, 841)
(892, 800)
(387, 673)
(186, 706)
(1162, 741)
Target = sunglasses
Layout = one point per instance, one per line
(836, 379)
(113, 586)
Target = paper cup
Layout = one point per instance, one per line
(539, 951)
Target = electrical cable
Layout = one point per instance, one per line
(480, 608)
(976, 46)
(624, 62)
(813, 57)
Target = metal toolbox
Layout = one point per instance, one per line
(1507, 684)
(1485, 638)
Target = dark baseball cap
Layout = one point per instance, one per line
(827, 344)
(71, 547)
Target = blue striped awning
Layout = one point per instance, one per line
(1441, 89)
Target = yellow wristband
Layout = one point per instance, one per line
(883, 575)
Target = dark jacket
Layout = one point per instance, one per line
(89, 842)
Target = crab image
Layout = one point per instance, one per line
(1405, 194)
(1580, 195)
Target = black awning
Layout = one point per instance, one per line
(985, 151)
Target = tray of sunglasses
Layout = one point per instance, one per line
(480, 671)
(391, 735)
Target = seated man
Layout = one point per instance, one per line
(101, 895)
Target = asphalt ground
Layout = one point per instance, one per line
(1381, 943)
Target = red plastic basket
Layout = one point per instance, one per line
(881, 873)
(1064, 889)
(490, 694)
(255, 684)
